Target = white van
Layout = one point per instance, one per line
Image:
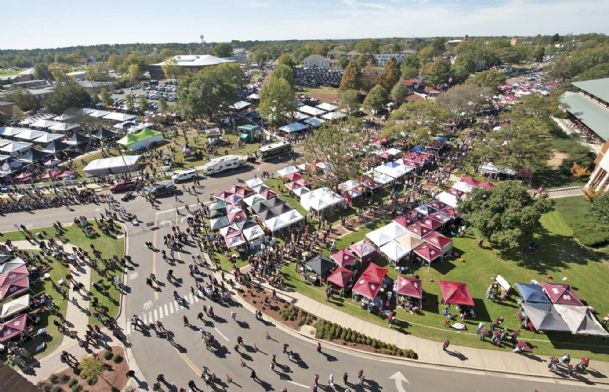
(220, 164)
(184, 175)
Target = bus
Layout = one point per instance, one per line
(269, 151)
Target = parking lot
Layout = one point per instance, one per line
(151, 91)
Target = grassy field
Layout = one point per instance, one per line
(9, 72)
(326, 94)
(587, 228)
(108, 246)
(559, 258)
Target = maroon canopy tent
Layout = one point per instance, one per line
(428, 252)
(437, 204)
(367, 287)
(456, 293)
(364, 250)
(343, 257)
(451, 212)
(293, 177)
(409, 286)
(431, 223)
(439, 241)
(561, 294)
(374, 273)
(268, 194)
(240, 191)
(14, 282)
(418, 230)
(340, 276)
(12, 328)
(407, 219)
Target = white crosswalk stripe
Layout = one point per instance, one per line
(162, 311)
(166, 309)
(156, 315)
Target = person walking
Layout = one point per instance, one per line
(233, 315)
(345, 378)
(445, 345)
(331, 380)
(253, 375)
(360, 376)
(319, 347)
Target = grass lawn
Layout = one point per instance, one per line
(276, 184)
(226, 265)
(587, 228)
(559, 256)
(328, 94)
(108, 246)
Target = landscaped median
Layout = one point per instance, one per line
(295, 318)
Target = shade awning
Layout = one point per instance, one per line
(321, 265)
(580, 320)
(456, 293)
(340, 277)
(561, 294)
(532, 293)
(409, 286)
(12, 328)
(15, 306)
(544, 317)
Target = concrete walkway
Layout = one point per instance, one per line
(558, 193)
(431, 352)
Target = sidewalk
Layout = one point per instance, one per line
(431, 352)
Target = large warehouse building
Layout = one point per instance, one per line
(191, 62)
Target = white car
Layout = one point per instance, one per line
(184, 175)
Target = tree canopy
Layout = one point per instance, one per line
(351, 79)
(376, 99)
(209, 92)
(22, 98)
(437, 72)
(67, 95)
(277, 101)
(506, 215)
(463, 101)
(421, 120)
(390, 75)
(286, 59)
(399, 92)
(491, 79)
(350, 100)
(223, 49)
(600, 207)
(285, 72)
(334, 145)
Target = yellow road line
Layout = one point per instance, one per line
(154, 256)
(189, 362)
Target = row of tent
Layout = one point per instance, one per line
(555, 307)
(14, 280)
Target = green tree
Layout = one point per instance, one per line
(350, 100)
(507, 215)
(600, 207)
(376, 99)
(163, 107)
(409, 73)
(277, 101)
(105, 98)
(437, 72)
(22, 98)
(411, 61)
(67, 95)
(142, 104)
(286, 59)
(135, 71)
(129, 102)
(421, 120)
(222, 50)
(351, 79)
(334, 145)
(367, 46)
(285, 72)
(41, 71)
(172, 70)
(491, 79)
(399, 92)
(210, 92)
(463, 101)
(97, 72)
(91, 368)
(370, 77)
(390, 74)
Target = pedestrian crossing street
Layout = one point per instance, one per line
(162, 311)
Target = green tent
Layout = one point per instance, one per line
(248, 133)
(141, 140)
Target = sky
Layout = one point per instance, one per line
(60, 23)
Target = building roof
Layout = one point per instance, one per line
(13, 381)
(597, 87)
(315, 57)
(593, 115)
(196, 60)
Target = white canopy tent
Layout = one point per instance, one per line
(311, 111)
(386, 233)
(48, 138)
(11, 131)
(286, 171)
(314, 122)
(395, 171)
(63, 127)
(463, 186)
(291, 217)
(120, 117)
(30, 134)
(15, 306)
(408, 241)
(44, 123)
(254, 182)
(380, 178)
(580, 320)
(240, 105)
(293, 127)
(298, 116)
(394, 250)
(276, 223)
(328, 107)
(253, 96)
(320, 199)
(447, 198)
(333, 116)
(253, 233)
(120, 164)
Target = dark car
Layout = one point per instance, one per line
(162, 190)
(123, 186)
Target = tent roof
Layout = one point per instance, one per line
(428, 252)
(394, 250)
(532, 293)
(367, 287)
(561, 294)
(15, 306)
(254, 182)
(409, 241)
(320, 264)
(409, 286)
(580, 320)
(30, 134)
(374, 272)
(363, 248)
(120, 117)
(456, 293)
(544, 317)
(111, 163)
(218, 223)
(12, 328)
(328, 107)
(438, 240)
(287, 170)
(293, 127)
(418, 230)
(311, 111)
(343, 257)
(340, 276)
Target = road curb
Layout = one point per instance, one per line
(418, 362)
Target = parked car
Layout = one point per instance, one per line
(162, 190)
(184, 175)
(123, 186)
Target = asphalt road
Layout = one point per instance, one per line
(184, 359)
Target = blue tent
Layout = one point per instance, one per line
(417, 149)
(392, 164)
(441, 139)
(532, 293)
